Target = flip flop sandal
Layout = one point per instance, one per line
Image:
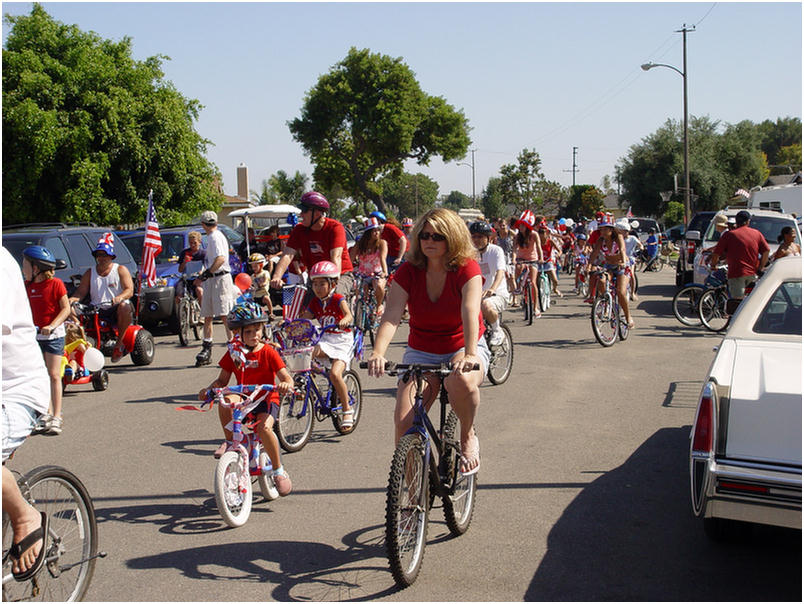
(348, 419)
(470, 455)
(17, 549)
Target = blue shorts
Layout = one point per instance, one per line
(18, 421)
(263, 407)
(54, 346)
(615, 269)
(430, 358)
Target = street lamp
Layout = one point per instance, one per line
(472, 165)
(683, 74)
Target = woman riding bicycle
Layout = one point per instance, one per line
(528, 247)
(370, 253)
(441, 284)
(611, 246)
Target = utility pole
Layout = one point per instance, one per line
(574, 165)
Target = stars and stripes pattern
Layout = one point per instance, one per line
(152, 244)
(743, 193)
(629, 214)
(292, 298)
(107, 238)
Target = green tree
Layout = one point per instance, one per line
(774, 136)
(265, 196)
(519, 181)
(583, 200)
(411, 194)
(674, 214)
(457, 201)
(790, 155)
(491, 199)
(88, 131)
(366, 116)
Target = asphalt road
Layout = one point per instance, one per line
(583, 490)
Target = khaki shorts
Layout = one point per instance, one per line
(219, 296)
(737, 285)
(496, 302)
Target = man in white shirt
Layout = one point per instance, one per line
(219, 297)
(492, 266)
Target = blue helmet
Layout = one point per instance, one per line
(379, 216)
(246, 313)
(40, 255)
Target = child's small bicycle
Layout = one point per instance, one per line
(315, 398)
(244, 458)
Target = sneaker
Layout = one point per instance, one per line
(54, 426)
(497, 337)
(42, 424)
(282, 482)
(221, 450)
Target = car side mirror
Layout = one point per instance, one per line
(692, 236)
(60, 264)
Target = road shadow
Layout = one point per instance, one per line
(630, 535)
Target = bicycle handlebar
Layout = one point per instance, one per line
(246, 390)
(392, 368)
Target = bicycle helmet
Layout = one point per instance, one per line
(480, 228)
(325, 268)
(379, 216)
(40, 256)
(246, 313)
(581, 236)
(256, 257)
(315, 200)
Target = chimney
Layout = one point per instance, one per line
(242, 181)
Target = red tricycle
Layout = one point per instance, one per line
(137, 340)
(83, 364)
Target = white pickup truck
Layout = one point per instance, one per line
(745, 444)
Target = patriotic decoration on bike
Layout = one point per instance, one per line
(152, 244)
(292, 298)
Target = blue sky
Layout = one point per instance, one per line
(547, 76)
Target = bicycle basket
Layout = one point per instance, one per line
(717, 278)
(298, 359)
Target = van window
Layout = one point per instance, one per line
(79, 249)
(55, 245)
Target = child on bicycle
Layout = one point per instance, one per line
(335, 346)
(262, 365)
(260, 279)
(370, 254)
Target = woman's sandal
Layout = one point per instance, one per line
(18, 549)
(470, 458)
(348, 419)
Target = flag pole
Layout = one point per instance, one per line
(141, 268)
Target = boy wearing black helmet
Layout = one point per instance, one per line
(493, 265)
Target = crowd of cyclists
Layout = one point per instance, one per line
(447, 278)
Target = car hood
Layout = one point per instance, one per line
(764, 412)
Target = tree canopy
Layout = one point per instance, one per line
(366, 116)
(411, 194)
(281, 188)
(88, 131)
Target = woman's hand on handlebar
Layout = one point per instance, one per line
(462, 363)
(376, 365)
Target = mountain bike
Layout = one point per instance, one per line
(365, 305)
(525, 288)
(501, 357)
(315, 397)
(71, 544)
(607, 316)
(425, 464)
(188, 310)
(244, 457)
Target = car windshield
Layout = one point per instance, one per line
(233, 236)
(699, 222)
(172, 245)
(770, 227)
(782, 314)
(645, 224)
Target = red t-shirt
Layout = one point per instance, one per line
(315, 246)
(741, 247)
(44, 298)
(329, 314)
(261, 368)
(394, 237)
(593, 237)
(436, 327)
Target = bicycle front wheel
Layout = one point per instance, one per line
(407, 510)
(355, 392)
(184, 321)
(604, 321)
(712, 310)
(459, 503)
(502, 358)
(685, 304)
(544, 292)
(296, 417)
(527, 303)
(72, 540)
(233, 488)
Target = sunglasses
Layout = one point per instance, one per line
(423, 236)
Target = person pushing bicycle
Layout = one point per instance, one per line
(252, 362)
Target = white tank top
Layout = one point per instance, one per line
(103, 289)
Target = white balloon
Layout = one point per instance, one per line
(93, 359)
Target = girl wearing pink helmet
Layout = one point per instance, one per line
(335, 346)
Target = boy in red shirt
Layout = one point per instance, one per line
(262, 365)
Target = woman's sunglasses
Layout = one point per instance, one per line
(424, 236)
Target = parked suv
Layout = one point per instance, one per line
(72, 243)
(644, 225)
(159, 303)
(686, 251)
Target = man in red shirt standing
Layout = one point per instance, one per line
(742, 246)
(393, 235)
(314, 239)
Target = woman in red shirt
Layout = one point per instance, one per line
(441, 285)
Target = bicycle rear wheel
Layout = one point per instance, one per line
(544, 291)
(685, 304)
(712, 310)
(233, 488)
(527, 303)
(72, 540)
(459, 503)
(407, 510)
(502, 358)
(355, 391)
(604, 322)
(296, 417)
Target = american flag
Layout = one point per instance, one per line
(743, 193)
(629, 214)
(152, 244)
(292, 298)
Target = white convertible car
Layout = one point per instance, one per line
(745, 449)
